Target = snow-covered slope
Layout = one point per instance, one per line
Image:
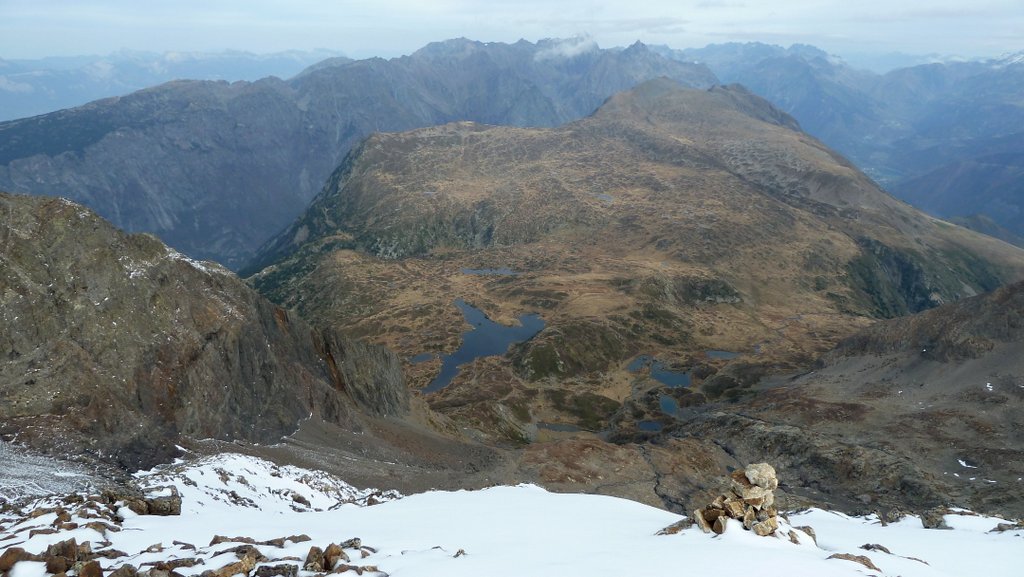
(231, 482)
(514, 531)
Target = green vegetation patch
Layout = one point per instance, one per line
(591, 410)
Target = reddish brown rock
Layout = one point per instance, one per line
(719, 525)
(334, 554)
(56, 564)
(314, 560)
(865, 561)
(676, 527)
(91, 569)
(12, 556)
(125, 570)
(218, 539)
(243, 565)
(35, 532)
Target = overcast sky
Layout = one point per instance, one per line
(362, 28)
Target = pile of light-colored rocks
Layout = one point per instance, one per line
(750, 500)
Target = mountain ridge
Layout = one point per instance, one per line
(203, 165)
(116, 346)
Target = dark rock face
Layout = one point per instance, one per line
(967, 329)
(214, 169)
(113, 345)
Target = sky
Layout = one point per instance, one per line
(364, 28)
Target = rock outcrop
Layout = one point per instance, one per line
(750, 500)
(114, 345)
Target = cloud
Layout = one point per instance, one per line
(567, 48)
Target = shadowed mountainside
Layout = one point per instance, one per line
(114, 345)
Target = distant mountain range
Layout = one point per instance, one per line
(945, 137)
(32, 87)
(215, 169)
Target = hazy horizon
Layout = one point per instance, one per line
(389, 28)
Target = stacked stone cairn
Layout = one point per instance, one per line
(750, 500)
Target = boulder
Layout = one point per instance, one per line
(865, 561)
(125, 570)
(91, 569)
(165, 505)
(218, 539)
(876, 547)
(766, 527)
(698, 517)
(719, 525)
(282, 570)
(762, 475)
(314, 560)
(750, 500)
(333, 554)
(66, 550)
(676, 527)
(12, 556)
(934, 519)
(56, 564)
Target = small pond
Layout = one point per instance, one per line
(660, 372)
(487, 338)
(669, 406)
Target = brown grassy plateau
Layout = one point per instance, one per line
(669, 223)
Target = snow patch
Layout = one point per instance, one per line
(205, 266)
(506, 531)
(231, 481)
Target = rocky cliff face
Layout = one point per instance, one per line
(215, 169)
(114, 345)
